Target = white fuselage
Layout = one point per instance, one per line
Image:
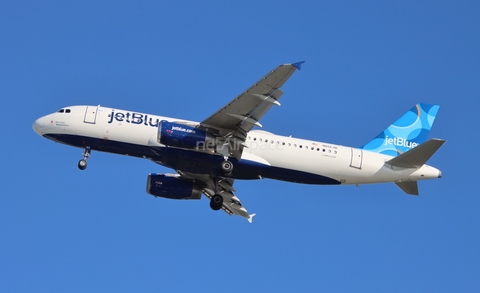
(133, 133)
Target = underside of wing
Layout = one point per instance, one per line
(224, 188)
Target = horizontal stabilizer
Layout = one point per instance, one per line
(418, 156)
(409, 187)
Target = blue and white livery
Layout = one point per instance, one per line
(406, 133)
(209, 155)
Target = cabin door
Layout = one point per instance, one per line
(356, 160)
(90, 114)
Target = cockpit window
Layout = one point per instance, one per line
(63, 111)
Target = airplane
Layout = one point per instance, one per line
(209, 155)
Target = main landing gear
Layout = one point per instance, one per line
(82, 164)
(227, 167)
(216, 201)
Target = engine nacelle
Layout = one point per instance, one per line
(184, 136)
(171, 186)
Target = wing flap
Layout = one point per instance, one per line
(231, 204)
(224, 187)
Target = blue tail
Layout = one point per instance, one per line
(406, 133)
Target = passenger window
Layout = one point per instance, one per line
(300, 146)
(254, 138)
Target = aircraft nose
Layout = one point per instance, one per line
(37, 126)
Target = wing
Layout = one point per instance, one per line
(224, 187)
(239, 116)
(231, 124)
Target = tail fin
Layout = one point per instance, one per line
(406, 133)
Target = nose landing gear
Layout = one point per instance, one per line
(82, 164)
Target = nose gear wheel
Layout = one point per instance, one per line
(82, 164)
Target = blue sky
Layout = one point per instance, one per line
(368, 62)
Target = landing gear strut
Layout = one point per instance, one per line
(82, 164)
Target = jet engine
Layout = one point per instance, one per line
(172, 186)
(184, 136)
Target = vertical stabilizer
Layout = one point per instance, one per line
(406, 133)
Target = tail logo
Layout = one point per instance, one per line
(407, 132)
(401, 142)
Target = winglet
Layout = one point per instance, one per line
(250, 218)
(298, 65)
